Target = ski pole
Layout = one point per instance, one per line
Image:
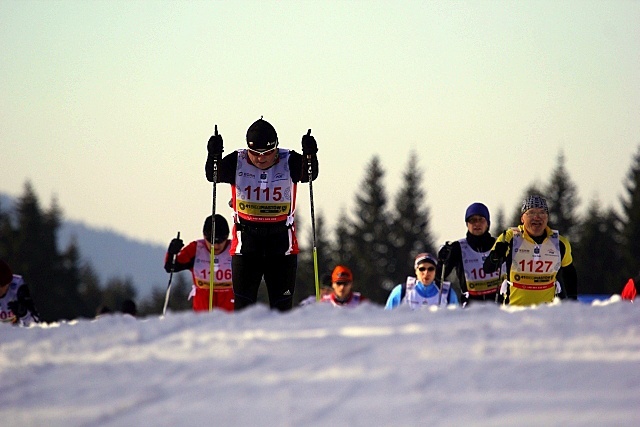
(442, 275)
(213, 227)
(313, 225)
(173, 266)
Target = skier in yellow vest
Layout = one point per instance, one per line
(535, 256)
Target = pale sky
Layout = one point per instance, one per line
(108, 105)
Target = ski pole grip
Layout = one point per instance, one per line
(309, 155)
(173, 261)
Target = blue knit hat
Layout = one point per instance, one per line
(477, 208)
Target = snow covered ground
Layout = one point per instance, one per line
(570, 364)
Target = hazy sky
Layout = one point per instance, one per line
(108, 105)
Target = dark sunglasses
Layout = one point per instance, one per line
(262, 153)
(343, 283)
(426, 268)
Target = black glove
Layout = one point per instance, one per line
(309, 145)
(444, 253)
(19, 310)
(175, 246)
(499, 251)
(23, 303)
(214, 146)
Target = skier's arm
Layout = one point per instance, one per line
(567, 270)
(226, 168)
(570, 281)
(299, 167)
(394, 299)
(23, 307)
(497, 255)
(184, 259)
(449, 256)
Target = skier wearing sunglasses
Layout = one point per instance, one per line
(264, 179)
(422, 289)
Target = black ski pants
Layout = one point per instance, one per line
(279, 272)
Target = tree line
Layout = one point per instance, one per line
(378, 242)
(63, 286)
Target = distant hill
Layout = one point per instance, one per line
(112, 254)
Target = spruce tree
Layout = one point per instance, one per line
(631, 219)
(498, 224)
(90, 291)
(410, 232)
(344, 250)
(35, 254)
(116, 291)
(180, 288)
(562, 197)
(370, 236)
(597, 257)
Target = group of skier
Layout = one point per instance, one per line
(519, 267)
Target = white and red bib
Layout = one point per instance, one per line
(267, 195)
(479, 282)
(202, 266)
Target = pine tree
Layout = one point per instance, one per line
(116, 291)
(180, 288)
(410, 232)
(344, 250)
(498, 224)
(7, 234)
(370, 236)
(631, 219)
(36, 257)
(598, 258)
(90, 291)
(562, 197)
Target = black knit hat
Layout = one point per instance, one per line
(261, 135)
(222, 228)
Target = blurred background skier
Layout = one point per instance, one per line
(342, 294)
(196, 257)
(16, 305)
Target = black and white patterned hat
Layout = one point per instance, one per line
(534, 202)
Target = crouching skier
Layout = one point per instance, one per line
(16, 305)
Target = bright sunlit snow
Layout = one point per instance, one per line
(569, 364)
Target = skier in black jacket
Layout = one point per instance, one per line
(263, 180)
(467, 255)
